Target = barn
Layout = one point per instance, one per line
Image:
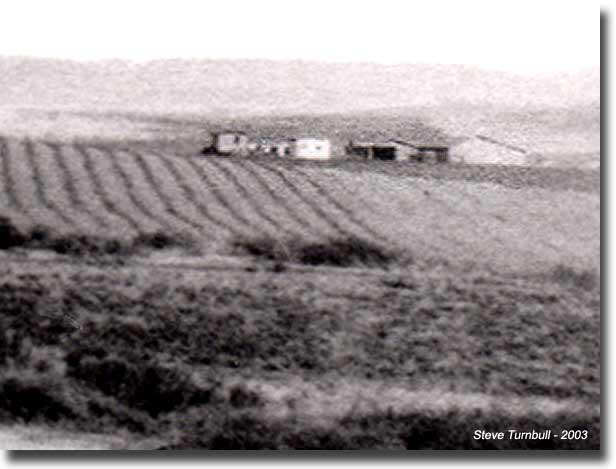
(310, 148)
(376, 150)
(399, 150)
(230, 143)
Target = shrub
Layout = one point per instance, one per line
(144, 385)
(263, 247)
(159, 240)
(39, 236)
(569, 276)
(75, 244)
(345, 252)
(339, 252)
(33, 398)
(10, 236)
(242, 396)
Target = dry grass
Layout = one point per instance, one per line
(507, 218)
(256, 360)
(91, 246)
(338, 252)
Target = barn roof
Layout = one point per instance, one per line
(230, 131)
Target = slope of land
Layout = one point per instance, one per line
(460, 297)
(524, 219)
(256, 87)
(418, 357)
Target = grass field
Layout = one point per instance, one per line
(445, 299)
(512, 218)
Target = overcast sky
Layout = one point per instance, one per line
(519, 36)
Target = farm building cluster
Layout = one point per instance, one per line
(237, 143)
(478, 149)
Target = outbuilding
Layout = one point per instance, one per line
(375, 150)
(399, 150)
(310, 148)
(230, 143)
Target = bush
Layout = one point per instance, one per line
(142, 384)
(10, 236)
(81, 245)
(569, 276)
(159, 240)
(345, 252)
(241, 396)
(339, 252)
(29, 399)
(39, 236)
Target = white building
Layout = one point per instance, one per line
(230, 143)
(310, 148)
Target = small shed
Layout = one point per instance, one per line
(230, 143)
(425, 152)
(374, 150)
(310, 148)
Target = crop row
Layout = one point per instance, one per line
(92, 188)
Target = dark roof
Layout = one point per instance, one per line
(422, 146)
(231, 131)
(393, 141)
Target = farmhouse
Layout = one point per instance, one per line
(398, 150)
(230, 143)
(486, 150)
(281, 149)
(430, 152)
(373, 150)
(310, 148)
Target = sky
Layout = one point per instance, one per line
(518, 36)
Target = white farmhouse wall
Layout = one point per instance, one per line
(311, 148)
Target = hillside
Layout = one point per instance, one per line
(187, 302)
(240, 87)
(553, 116)
(127, 191)
(153, 296)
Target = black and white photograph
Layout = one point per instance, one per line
(300, 225)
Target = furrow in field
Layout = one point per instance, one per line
(399, 209)
(308, 199)
(345, 212)
(191, 197)
(56, 188)
(269, 200)
(44, 191)
(216, 187)
(107, 189)
(158, 184)
(27, 192)
(91, 185)
(139, 199)
(246, 196)
(307, 219)
(10, 203)
(76, 184)
(8, 182)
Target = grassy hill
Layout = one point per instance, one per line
(132, 191)
(257, 87)
(555, 116)
(190, 301)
